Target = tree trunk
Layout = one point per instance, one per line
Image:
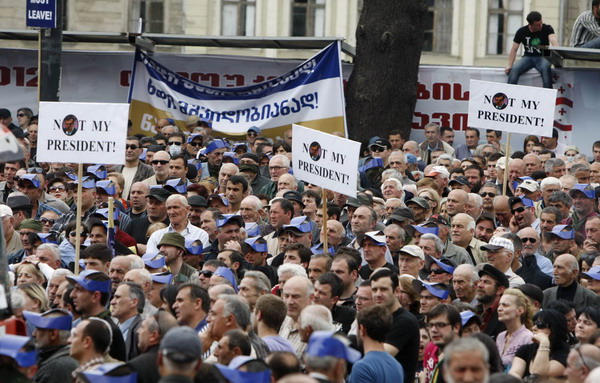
(381, 92)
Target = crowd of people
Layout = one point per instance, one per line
(216, 268)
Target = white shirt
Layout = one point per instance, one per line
(190, 232)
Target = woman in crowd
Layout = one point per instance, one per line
(29, 273)
(588, 323)
(515, 312)
(35, 297)
(529, 143)
(546, 357)
(432, 197)
(408, 298)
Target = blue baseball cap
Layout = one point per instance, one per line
(102, 374)
(563, 231)
(593, 273)
(411, 158)
(165, 278)
(107, 186)
(225, 219)
(219, 197)
(376, 236)
(254, 129)
(177, 185)
(426, 229)
(444, 264)
(237, 376)
(370, 164)
(11, 345)
(104, 213)
(88, 182)
(154, 260)
(258, 244)
(214, 145)
(47, 238)
(63, 322)
(31, 178)
(88, 284)
(226, 273)
(465, 317)
(143, 154)
(585, 189)
(325, 343)
(192, 136)
(300, 224)
(438, 290)
(231, 155)
(318, 249)
(99, 171)
(194, 246)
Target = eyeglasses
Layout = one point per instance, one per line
(438, 325)
(194, 144)
(35, 170)
(44, 221)
(377, 149)
(162, 162)
(437, 271)
(488, 194)
(426, 198)
(277, 167)
(74, 234)
(132, 147)
(252, 134)
(207, 273)
(396, 163)
(519, 210)
(541, 325)
(175, 143)
(526, 239)
(57, 188)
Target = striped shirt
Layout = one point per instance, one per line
(586, 28)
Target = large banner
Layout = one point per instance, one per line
(442, 95)
(512, 108)
(76, 132)
(311, 94)
(325, 160)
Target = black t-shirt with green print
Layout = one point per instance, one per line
(531, 40)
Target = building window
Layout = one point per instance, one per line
(308, 18)
(237, 17)
(504, 18)
(152, 12)
(438, 26)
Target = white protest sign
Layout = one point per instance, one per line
(512, 108)
(81, 133)
(325, 160)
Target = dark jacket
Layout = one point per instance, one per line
(145, 366)
(131, 343)
(583, 297)
(55, 365)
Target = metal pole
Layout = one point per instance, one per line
(50, 56)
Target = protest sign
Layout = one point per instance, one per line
(512, 108)
(72, 132)
(310, 94)
(325, 160)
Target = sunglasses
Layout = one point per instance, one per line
(132, 147)
(162, 162)
(57, 188)
(519, 210)
(175, 143)
(531, 240)
(21, 115)
(207, 273)
(74, 234)
(195, 144)
(488, 194)
(437, 271)
(44, 221)
(377, 149)
(252, 134)
(541, 325)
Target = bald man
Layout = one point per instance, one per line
(502, 210)
(581, 362)
(457, 199)
(566, 270)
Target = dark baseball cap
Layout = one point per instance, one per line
(294, 196)
(181, 345)
(251, 156)
(159, 193)
(402, 214)
(197, 201)
(493, 272)
(18, 200)
(381, 142)
(462, 180)
(437, 219)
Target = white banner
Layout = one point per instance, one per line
(325, 160)
(75, 132)
(512, 108)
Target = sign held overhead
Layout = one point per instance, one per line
(82, 132)
(41, 13)
(512, 108)
(325, 160)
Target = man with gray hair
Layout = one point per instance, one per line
(278, 166)
(466, 359)
(119, 266)
(566, 271)
(143, 278)
(464, 283)
(548, 186)
(555, 167)
(296, 295)
(313, 318)
(474, 205)
(433, 142)
(58, 276)
(253, 286)
(52, 330)
(126, 306)
(49, 254)
(581, 361)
